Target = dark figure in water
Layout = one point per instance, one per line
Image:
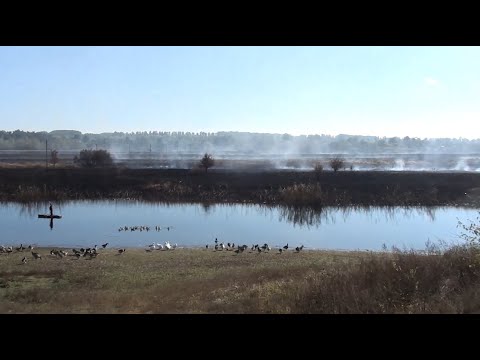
(51, 209)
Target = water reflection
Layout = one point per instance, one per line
(35, 208)
(86, 223)
(308, 217)
(298, 216)
(207, 207)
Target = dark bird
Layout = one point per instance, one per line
(24, 260)
(121, 251)
(104, 245)
(285, 247)
(206, 246)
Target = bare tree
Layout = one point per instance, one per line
(54, 157)
(337, 163)
(207, 161)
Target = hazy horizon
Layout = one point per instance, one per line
(420, 92)
(235, 131)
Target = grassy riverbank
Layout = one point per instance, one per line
(206, 281)
(344, 188)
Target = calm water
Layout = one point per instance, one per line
(85, 224)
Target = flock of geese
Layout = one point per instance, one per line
(255, 247)
(88, 252)
(143, 228)
(157, 246)
(93, 252)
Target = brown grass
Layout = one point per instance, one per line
(205, 281)
(308, 188)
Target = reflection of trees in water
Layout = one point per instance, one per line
(391, 213)
(33, 208)
(305, 216)
(207, 207)
(302, 216)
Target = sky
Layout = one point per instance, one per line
(425, 92)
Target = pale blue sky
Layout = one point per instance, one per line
(383, 91)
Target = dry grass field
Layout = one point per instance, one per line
(219, 282)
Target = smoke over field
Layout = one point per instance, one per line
(245, 151)
(259, 162)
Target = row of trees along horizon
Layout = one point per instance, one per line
(240, 142)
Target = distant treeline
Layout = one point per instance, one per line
(230, 142)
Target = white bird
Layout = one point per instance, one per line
(167, 245)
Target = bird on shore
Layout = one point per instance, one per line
(121, 251)
(105, 245)
(299, 248)
(285, 247)
(36, 255)
(206, 246)
(24, 260)
(280, 250)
